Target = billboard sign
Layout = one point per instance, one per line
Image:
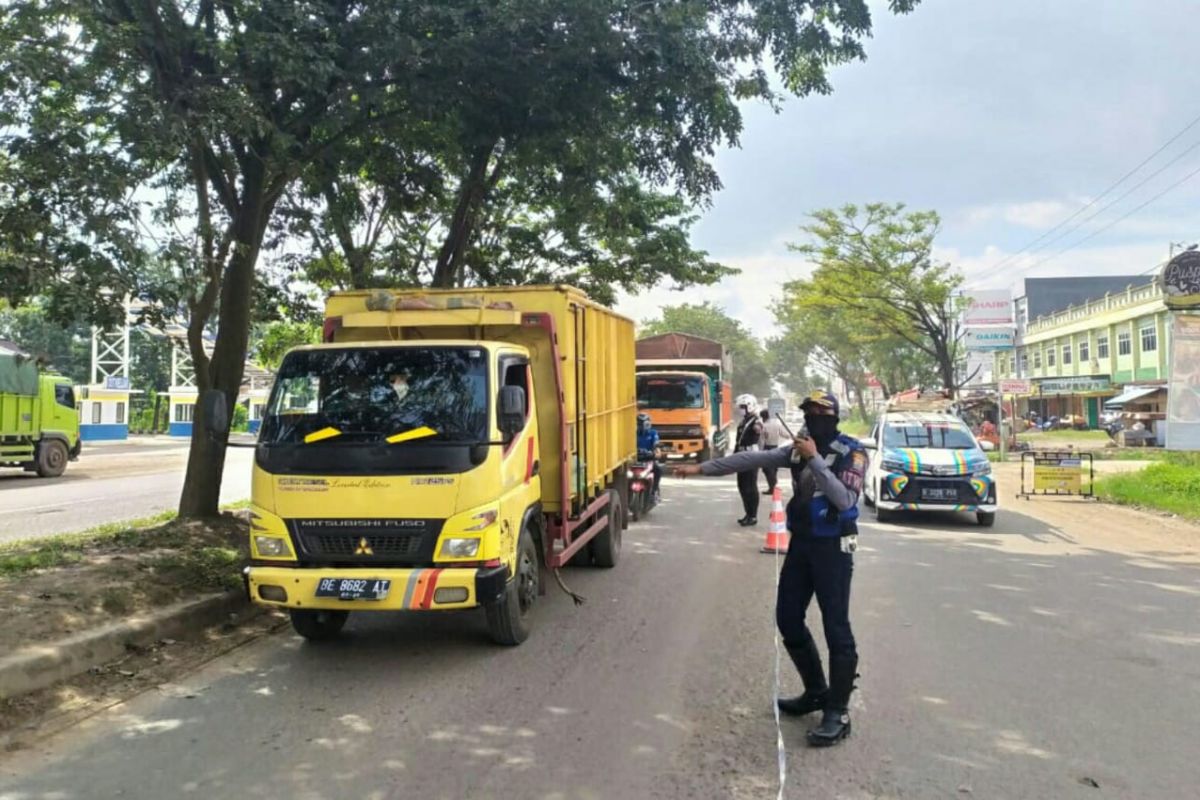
(1183, 388)
(1015, 386)
(1180, 281)
(1082, 385)
(117, 383)
(989, 339)
(991, 307)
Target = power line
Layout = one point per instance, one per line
(1100, 196)
(1119, 219)
(1128, 192)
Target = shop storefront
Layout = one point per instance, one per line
(1077, 400)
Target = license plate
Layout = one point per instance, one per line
(354, 588)
(939, 494)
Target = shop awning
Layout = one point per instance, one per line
(1130, 394)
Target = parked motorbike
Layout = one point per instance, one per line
(641, 485)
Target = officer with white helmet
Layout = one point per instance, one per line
(749, 436)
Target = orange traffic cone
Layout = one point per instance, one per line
(777, 535)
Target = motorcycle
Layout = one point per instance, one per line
(641, 485)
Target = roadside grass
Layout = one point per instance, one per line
(1065, 436)
(144, 533)
(1172, 485)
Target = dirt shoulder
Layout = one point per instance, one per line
(1080, 522)
(62, 585)
(56, 587)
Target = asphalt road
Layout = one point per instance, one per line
(1055, 655)
(109, 483)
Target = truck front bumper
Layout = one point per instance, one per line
(682, 447)
(412, 589)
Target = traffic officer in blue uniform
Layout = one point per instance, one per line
(827, 469)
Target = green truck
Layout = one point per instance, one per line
(39, 426)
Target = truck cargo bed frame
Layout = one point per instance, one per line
(572, 531)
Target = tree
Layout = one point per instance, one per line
(749, 374)
(788, 358)
(276, 338)
(830, 339)
(147, 147)
(66, 349)
(876, 264)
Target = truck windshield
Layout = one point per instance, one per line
(942, 436)
(370, 394)
(656, 392)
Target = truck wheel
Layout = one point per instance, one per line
(318, 626)
(606, 547)
(52, 459)
(508, 620)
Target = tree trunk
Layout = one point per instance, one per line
(206, 459)
(470, 195)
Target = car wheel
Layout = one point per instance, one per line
(985, 518)
(868, 498)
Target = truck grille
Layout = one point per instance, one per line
(373, 541)
(676, 431)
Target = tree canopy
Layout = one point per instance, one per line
(875, 273)
(157, 150)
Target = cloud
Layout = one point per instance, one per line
(1035, 214)
(989, 269)
(746, 296)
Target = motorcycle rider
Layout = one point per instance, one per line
(647, 442)
(749, 434)
(827, 476)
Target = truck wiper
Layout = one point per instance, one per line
(423, 432)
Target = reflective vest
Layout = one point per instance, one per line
(817, 516)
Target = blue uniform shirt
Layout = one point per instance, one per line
(647, 440)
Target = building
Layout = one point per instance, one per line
(1086, 354)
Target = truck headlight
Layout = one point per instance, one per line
(272, 547)
(460, 548)
(695, 432)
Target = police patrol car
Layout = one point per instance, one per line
(927, 461)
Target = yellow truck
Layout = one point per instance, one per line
(439, 451)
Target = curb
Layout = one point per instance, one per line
(38, 666)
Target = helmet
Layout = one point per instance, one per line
(822, 398)
(644, 423)
(748, 402)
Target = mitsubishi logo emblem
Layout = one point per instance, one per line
(364, 548)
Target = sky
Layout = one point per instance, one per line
(1004, 116)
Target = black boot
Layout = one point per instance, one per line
(748, 521)
(835, 722)
(808, 663)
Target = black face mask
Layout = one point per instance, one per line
(822, 428)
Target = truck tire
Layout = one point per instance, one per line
(606, 547)
(508, 620)
(318, 626)
(52, 457)
(706, 453)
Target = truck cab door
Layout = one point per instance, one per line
(520, 482)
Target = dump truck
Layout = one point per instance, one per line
(39, 425)
(440, 451)
(681, 384)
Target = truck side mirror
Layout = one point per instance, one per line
(216, 413)
(510, 415)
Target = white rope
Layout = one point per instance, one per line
(780, 749)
